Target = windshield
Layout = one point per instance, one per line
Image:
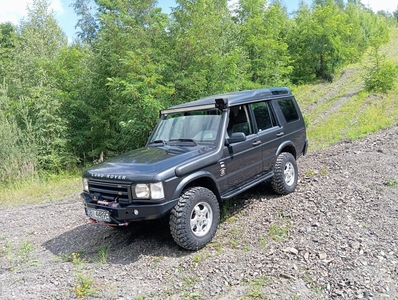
(193, 126)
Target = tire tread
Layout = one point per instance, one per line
(179, 215)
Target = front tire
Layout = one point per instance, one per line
(285, 176)
(194, 219)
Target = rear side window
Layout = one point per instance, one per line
(288, 110)
(264, 115)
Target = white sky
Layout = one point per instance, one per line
(376, 5)
(14, 10)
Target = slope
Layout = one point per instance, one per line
(343, 109)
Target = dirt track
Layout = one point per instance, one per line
(340, 226)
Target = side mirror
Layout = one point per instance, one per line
(236, 137)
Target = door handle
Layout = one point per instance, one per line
(256, 143)
(280, 134)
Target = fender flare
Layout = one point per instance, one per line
(197, 175)
(285, 144)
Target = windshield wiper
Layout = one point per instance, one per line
(184, 141)
(163, 142)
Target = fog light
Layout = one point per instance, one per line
(136, 212)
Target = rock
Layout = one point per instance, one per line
(291, 250)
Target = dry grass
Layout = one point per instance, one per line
(37, 191)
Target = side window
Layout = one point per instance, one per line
(288, 110)
(239, 120)
(264, 115)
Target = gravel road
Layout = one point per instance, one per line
(336, 237)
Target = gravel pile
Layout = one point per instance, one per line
(334, 238)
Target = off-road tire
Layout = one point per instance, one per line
(194, 219)
(285, 170)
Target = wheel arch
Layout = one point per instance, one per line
(202, 179)
(287, 146)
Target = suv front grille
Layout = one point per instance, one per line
(111, 191)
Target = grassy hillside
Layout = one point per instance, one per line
(343, 109)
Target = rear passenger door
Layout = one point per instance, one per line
(270, 132)
(291, 120)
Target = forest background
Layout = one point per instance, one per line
(62, 106)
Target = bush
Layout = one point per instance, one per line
(381, 77)
(17, 160)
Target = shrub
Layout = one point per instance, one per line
(381, 77)
(17, 160)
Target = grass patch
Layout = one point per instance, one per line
(263, 242)
(19, 257)
(313, 173)
(255, 290)
(84, 282)
(279, 231)
(84, 285)
(39, 190)
(103, 254)
(74, 257)
(392, 182)
(335, 128)
(360, 115)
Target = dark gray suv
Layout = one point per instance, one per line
(199, 154)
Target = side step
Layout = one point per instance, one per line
(247, 186)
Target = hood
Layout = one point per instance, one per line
(145, 164)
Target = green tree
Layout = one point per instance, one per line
(381, 75)
(356, 41)
(127, 87)
(17, 155)
(301, 33)
(36, 100)
(328, 48)
(87, 22)
(204, 56)
(263, 37)
(395, 13)
(73, 78)
(325, 38)
(8, 36)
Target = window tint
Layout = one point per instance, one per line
(288, 110)
(264, 115)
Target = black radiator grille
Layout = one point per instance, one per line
(111, 191)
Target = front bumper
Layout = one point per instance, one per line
(122, 215)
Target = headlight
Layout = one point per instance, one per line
(149, 191)
(142, 191)
(85, 185)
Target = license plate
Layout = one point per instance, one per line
(98, 214)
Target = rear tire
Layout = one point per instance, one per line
(285, 176)
(194, 219)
